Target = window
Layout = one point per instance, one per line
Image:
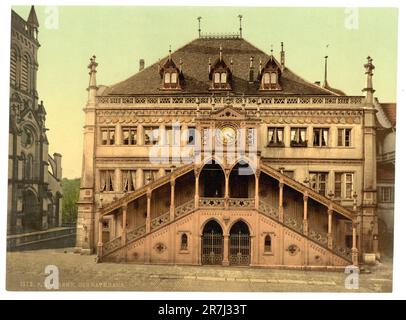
(129, 136)
(298, 137)
(151, 135)
(183, 243)
(191, 140)
(343, 185)
(267, 78)
(223, 77)
(274, 78)
(174, 77)
(106, 180)
(217, 77)
(108, 136)
(129, 180)
(320, 137)
(167, 77)
(385, 194)
(275, 136)
(344, 137)
(169, 136)
(150, 176)
(13, 67)
(25, 73)
(268, 243)
(318, 181)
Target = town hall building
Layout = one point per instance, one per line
(220, 154)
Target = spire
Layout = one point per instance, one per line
(369, 89)
(92, 81)
(32, 18)
(325, 83)
(240, 17)
(199, 30)
(282, 56)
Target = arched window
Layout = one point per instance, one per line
(13, 67)
(29, 167)
(183, 243)
(167, 77)
(267, 243)
(273, 78)
(23, 165)
(217, 77)
(224, 77)
(267, 78)
(25, 73)
(174, 77)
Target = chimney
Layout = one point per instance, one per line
(142, 64)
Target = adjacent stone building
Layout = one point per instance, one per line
(221, 154)
(34, 177)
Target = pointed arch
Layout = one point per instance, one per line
(25, 72)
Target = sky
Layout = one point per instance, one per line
(120, 36)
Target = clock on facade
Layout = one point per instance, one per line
(228, 134)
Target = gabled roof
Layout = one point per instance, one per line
(195, 56)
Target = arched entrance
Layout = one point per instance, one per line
(32, 219)
(240, 244)
(242, 181)
(212, 181)
(212, 243)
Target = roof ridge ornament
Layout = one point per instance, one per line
(240, 17)
(199, 30)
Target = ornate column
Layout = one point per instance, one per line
(140, 135)
(305, 222)
(226, 262)
(257, 190)
(354, 250)
(139, 178)
(148, 220)
(100, 240)
(172, 207)
(196, 188)
(281, 213)
(329, 228)
(124, 231)
(227, 188)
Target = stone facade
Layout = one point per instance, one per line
(164, 153)
(34, 177)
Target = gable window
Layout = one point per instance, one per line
(344, 137)
(275, 136)
(223, 77)
(108, 135)
(106, 180)
(318, 181)
(343, 185)
(267, 78)
(298, 137)
(167, 77)
(184, 242)
(129, 180)
(274, 78)
(130, 136)
(320, 137)
(268, 244)
(217, 77)
(151, 135)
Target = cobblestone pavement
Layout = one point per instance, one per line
(26, 271)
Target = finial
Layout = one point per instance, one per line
(240, 17)
(251, 61)
(198, 19)
(282, 57)
(170, 52)
(282, 46)
(260, 66)
(231, 64)
(221, 53)
(209, 65)
(271, 49)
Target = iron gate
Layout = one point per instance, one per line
(212, 248)
(240, 249)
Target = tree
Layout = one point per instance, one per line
(70, 189)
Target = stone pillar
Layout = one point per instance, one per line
(281, 213)
(148, 220)
(119, 135)
(305, 222)
(184, 135)
(329, 229)
(140, 135)
(226, 262)
(227, 188)
(100, 241)
(172, 208)
(257, 191)
(161, 172)
(139, 178)
(196, 189)
(354, 250)
(124, 231)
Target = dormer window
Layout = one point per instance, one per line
(171, 76)
(270, 75)
(220, 74)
